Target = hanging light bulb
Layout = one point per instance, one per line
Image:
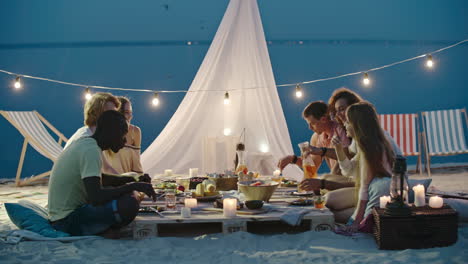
(227, 131)
(226, 98)
(366, 80)
(155, 100)
(298, 91)
(88, 94)
(18, 82)
(429, 61)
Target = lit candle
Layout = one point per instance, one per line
(436, 202)
(229, 207)
(167, 172)
(191, 202)
(276, 173)
(193, 172)
(384, 200)
(185, 212)
(419, 199)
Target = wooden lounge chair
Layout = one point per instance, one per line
(404, 128)
(30, 125)
(444, 133)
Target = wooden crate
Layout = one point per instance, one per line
(425, 228)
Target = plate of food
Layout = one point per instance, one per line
(289, 183)
(302, 202)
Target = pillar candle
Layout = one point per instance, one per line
(436, 202)
(191, 202)
(419, 199)
(193, 172)
(276, 173)
(229, 207)
(167, 172)
(185, 212)
(384, 200)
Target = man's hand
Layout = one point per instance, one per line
(285, 161)
(310, 185)
(144, 187)
(313, 151)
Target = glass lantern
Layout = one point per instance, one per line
(398, 189)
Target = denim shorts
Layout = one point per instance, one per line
(89, 219)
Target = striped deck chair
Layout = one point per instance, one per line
(404, 128)
(30, 125)
(444, 133)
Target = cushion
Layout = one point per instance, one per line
(30, 216)
(414, 182)
(459, 205)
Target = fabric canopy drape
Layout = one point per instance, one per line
(237, 61)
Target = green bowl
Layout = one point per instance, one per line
(254, 204)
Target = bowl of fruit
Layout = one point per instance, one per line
(258, 190)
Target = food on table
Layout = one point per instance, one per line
(194, 181)
(290, 183)
(200, 190)
(260, 183)
(181, 188)
(302, 202)
(166, 185)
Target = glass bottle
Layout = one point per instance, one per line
(308, 165)
(241, 166)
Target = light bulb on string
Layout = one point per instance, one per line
(88, 94)
(429, 61)
(366, 80)
(298, 91)
(226, 98)
(18, 83)
(155, 100)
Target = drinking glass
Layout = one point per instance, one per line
(170, 200)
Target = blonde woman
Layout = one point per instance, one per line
(127, 160)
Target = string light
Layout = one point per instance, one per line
(227, 131)
(155, 100)
(226, 98)
(298, 91)
(429, 62)
(264, 148)
(88, 94)
(365, 79)
(18, 83)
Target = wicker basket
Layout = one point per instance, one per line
(225, 184)
(425, 228)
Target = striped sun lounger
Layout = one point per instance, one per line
(31, 125)
(444, 133)
(404, 130)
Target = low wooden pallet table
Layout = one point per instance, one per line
(208, 222)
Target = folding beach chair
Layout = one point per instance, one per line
(30, 125)
(404, 128)
(444, 133)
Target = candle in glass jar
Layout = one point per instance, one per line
(436, 202)
(193, 172)
(384, 200)
(185, 212)
(190, 202)
(419, 199)
(229, 207)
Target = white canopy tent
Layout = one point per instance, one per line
(203, 131)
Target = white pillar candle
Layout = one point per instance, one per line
(419, 199)
(190, 202)
(167, 172)
(276, 173)
(193, 172)
(436, 202)
(185, 212)
(229, 207)
(384, 200)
